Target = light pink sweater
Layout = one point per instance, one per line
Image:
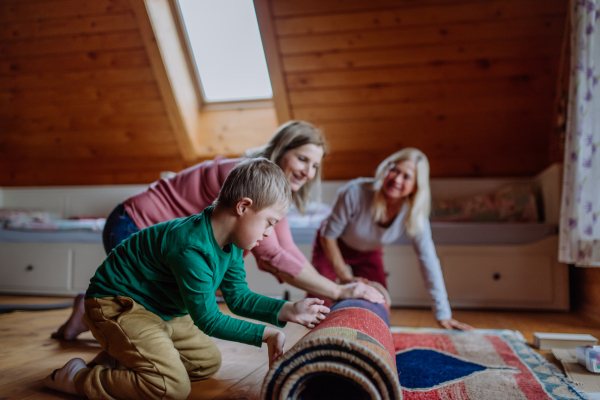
(194, 189)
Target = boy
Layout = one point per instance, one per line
(144, 300)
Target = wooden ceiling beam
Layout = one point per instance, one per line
(167, 58)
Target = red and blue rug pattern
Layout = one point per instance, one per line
(435, 364)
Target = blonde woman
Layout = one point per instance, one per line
(297, 147)
(371, 212)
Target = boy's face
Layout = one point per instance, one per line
(253, 226)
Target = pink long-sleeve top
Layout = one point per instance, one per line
(191, 191)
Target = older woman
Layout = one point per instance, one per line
(298, 148)
(369, 213)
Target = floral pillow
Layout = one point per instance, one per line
(512, 203)
(23, 215)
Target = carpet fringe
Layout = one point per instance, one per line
(520, 336)
(560, 375)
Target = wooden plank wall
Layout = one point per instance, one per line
(585, 291)
(469, 82)
(79, 103)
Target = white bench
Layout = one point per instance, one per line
(485, 265)
(509, 266)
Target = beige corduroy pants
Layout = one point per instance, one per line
(156, 359)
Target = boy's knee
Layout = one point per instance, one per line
(171, 384)
(179, 390)
(208, 366)
(175, 388)
(214, 363)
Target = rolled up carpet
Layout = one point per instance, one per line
(350, 355)
(378, 309)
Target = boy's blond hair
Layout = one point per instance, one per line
(287, 137)
(258, 179)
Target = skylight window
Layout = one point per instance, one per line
(227, 49)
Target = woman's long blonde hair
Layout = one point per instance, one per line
(419, 201)
(287, 137)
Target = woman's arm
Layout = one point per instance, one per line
(431, 271)
(310, 280)
(278, 252)
(279, 255)
(334, 255)
(344, 208)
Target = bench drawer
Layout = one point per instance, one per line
(40, 266)
(489, 279)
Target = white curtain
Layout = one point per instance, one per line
(580, 211)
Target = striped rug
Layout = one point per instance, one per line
(434, 364)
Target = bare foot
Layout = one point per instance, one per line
(75, 324)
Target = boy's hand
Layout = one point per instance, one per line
(308, 312)
(360, 290)
(275, 340)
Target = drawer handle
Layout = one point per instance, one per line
(29, 268)
(497, 276)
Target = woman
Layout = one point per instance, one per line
(369, 213)
(298, 148)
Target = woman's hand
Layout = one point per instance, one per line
(308, 312)
(345, 274)
(360, 290)
(451, 324)
(275, 340)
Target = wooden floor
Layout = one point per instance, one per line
(28, 354)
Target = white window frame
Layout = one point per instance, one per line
(195, 73)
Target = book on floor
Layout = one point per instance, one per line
(547, 341)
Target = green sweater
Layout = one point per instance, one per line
(173, 269)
